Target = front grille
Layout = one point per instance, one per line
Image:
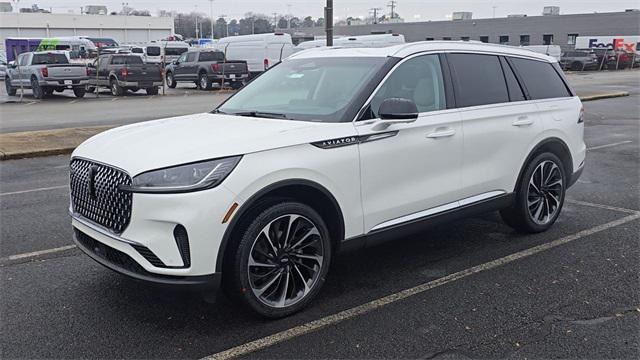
(95, 194)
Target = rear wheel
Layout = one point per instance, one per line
(540, 195)
(116, 90)
(282, 260)
(203, 81)
(79, 91)
(38, 91)
(11, 91)
(152, 91)
(171, 80)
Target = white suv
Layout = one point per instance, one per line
(332, 149)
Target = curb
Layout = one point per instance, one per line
(604, 96)
(35, 153)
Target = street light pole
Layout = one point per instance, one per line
(328, 22)
(211, 16)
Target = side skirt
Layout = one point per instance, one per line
(395, 232)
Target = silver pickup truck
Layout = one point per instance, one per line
(45, 72)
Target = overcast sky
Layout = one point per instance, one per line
(410, 10)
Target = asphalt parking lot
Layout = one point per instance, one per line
(468, 289)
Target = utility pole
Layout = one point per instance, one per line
(275, 21)
(211, 16)
(375, 14)
(494, 11)
(328, 22)
(196, 12)
(392, 5)
(289, 16)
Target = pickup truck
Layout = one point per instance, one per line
(122, 72)
(45, 72)
(206, 67)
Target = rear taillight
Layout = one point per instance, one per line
(266, 64)
(215, 68)
(88, 71)
(124, 72)
(45, 72)
(581, 117)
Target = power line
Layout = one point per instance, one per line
(392, 5)
(375, 14)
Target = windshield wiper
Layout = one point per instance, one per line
(262, 114)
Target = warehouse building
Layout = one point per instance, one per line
(513, 30)
(124, 29)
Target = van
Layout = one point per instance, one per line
(365, 41)
(260, 51)
(153, 53)
(171, 50)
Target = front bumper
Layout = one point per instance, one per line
(150, 242)
(120, 262)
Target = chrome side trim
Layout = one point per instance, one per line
(99, 229)
(439, 209)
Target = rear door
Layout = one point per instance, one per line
(498, 124)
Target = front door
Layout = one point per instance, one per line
(409, 171)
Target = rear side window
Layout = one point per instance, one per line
(191, 57)
(174, 51)
(515, 91)
(478, 79)
(540, 79)
(133, 60)
(117, 60)
(211, 56)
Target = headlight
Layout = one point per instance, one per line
(184, 178)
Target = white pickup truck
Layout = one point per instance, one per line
(45, 72)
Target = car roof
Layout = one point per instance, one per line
(404, 50)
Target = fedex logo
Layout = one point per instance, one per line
(616, 44)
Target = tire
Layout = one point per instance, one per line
(576, 66)
(203, 81)
(11, 91)
(79, 91)
(260, 287)
(38, 91)
(116, 90)
(171, 80)
(539, 197)
(152, 91)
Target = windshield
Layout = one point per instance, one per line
(305, 89)
(42, 59)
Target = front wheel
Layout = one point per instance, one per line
(282, 260)
(171, 80)
(539, 197)
(11, 91)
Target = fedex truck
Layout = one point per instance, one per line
(625, 43)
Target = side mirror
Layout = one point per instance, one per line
(175, 62)
(396, 111)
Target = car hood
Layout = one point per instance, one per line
(173, 141)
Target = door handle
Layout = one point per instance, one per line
(441, 132)
(523, 121)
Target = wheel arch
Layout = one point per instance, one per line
(553, 145)
(306, 191)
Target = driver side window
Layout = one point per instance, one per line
(183, 58)
(418, 79)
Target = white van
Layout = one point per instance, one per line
(153, 53)
(366, 41)
(259, 51)
(169, 50)
(552, 50)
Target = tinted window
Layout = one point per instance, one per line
(191, 57)
(137, 50)
(515, 91)
(174, 51)
(479, 79)
(153, 51)
(418, 79)
(133, 60)
(117, 60)
(211, 56)
(540, 79)
(39, 59)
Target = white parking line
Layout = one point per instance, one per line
(309, 327)
(37, 253)
(609, 145)
(602, 206)
(35, 190)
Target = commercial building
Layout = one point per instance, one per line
(560, 30)
(124, 29)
